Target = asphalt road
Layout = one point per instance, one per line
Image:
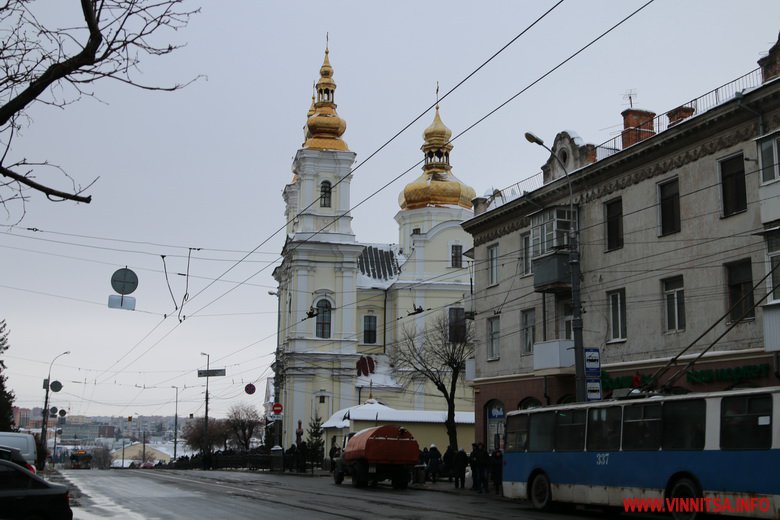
(172, 494)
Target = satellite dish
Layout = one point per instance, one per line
(124, 281)
(55, 386)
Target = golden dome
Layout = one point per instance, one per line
(437, 186)
(324, 126)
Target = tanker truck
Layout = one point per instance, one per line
(376, 454)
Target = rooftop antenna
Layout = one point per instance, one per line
(630, 95)
(437, 94)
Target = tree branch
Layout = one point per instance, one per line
(51, 192)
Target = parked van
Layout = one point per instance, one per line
(24, 442)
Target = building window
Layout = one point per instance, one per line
(617, 314)
(550, 230)
(325, 191)
(525, 260)
(528, 330)
(770, 153)
(740, 282)
(369, 329)
(457, 325)
(773, 246)
(493, 337)
(669, 197)
(492, 264)
(614, 224)
(732, 185)
(674, 297)
(323, 319)
(322, 399)
(456, 255)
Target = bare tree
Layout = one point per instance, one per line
(194, 434)
(56, 64)
(242, 419)
(439, 354)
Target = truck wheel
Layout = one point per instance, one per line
(338, 477)
(360, 474)
(401, 480)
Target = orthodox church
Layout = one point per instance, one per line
(345, 305)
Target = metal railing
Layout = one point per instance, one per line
(658, 124)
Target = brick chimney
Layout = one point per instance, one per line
(770, 64)
(637, 126)
(676, 115)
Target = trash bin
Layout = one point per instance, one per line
(277, 459)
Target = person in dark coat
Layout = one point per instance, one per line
(459, 462)
(447, 462)
(434, 462)
(497, 470)
(476, 470)
(484, 465)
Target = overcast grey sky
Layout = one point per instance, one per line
(205, 167)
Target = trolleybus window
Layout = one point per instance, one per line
(540, 433)
(683, 425)
(746, 422)
(516, 433)
(604, 429)
(642, 427)
(570, 430)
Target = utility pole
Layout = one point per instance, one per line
(41, 462)
(176, 424)
(580, 386)
(207, 452)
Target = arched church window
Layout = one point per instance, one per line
(323, 319)
(325, 190)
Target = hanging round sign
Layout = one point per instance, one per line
(55, 386)
(250, 389)
(124, 281)
(62, 412)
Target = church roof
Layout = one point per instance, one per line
(379, 262)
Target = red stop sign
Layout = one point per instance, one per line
(277, 408)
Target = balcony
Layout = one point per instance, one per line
(558, 353)
(552, 272)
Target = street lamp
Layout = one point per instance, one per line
(207, 453)
(580, 388)
(45, 414)
(176, 423)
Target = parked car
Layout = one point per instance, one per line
(24, 442)
(14, 455)
(25, 495)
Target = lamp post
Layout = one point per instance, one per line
(580, 388)
(176, 424)
(207, 451)
(45, 414)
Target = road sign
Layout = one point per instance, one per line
(124, 281)
(250, 389)
(277, 408)
(592, 363)
(275, 417)
(214, 372)
(55, 386)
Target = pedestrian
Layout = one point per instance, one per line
(476, 470)
(447, 461)
(434, 461)
(460, 461)
(335, 452)
(484, 465)
(497, 470)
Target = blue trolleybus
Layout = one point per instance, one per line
(710, 452)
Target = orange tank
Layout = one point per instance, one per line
(388, 444)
